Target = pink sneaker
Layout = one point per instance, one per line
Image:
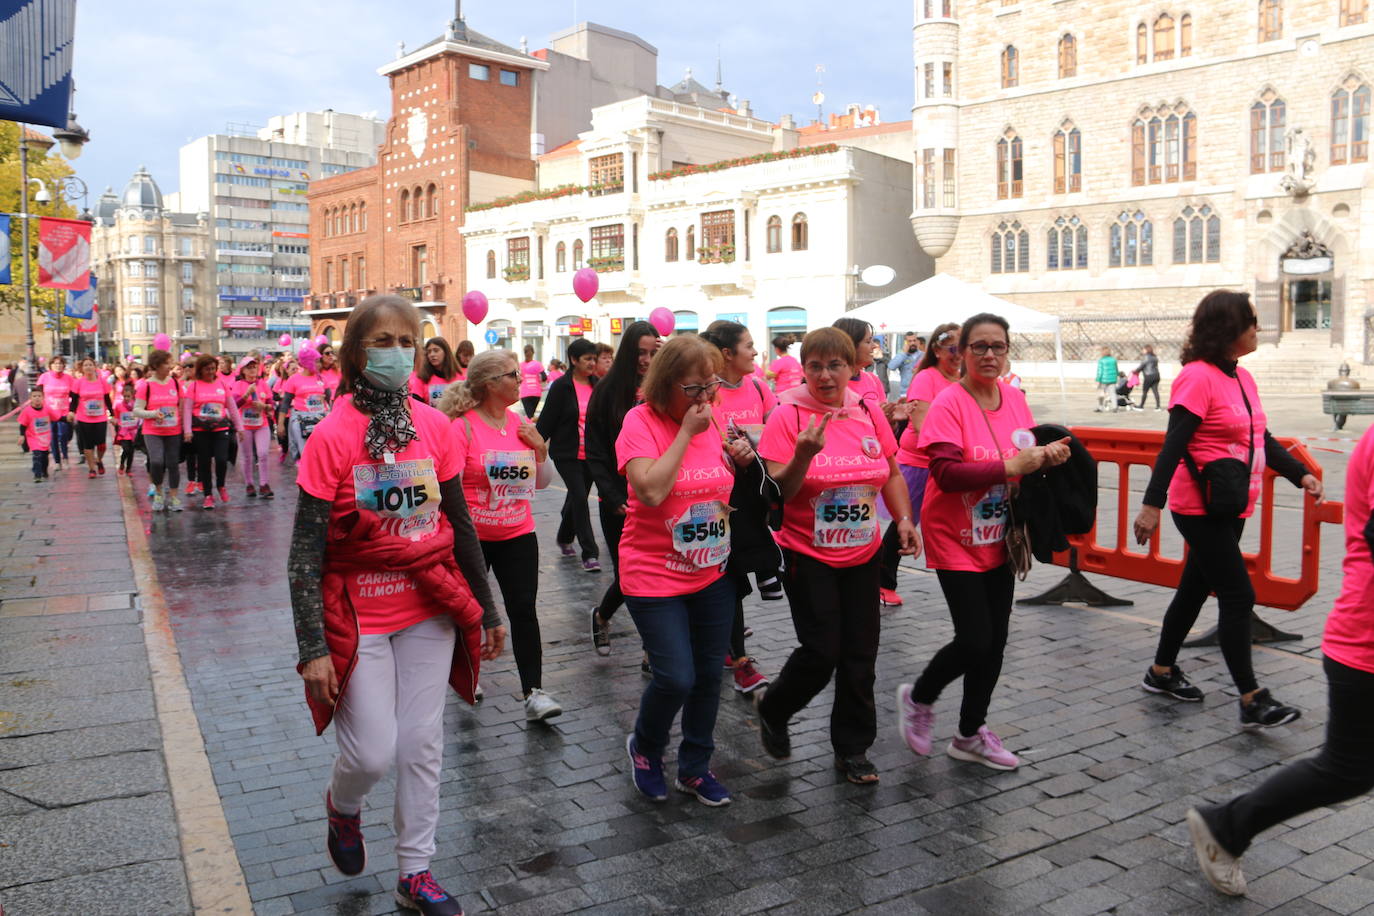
(985, 748)
(915, 721)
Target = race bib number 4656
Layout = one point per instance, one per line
(846, 516)
(405, 495)
(510, 475)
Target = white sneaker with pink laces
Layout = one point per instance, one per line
(915, 721)
(985, 748)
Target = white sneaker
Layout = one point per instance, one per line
(1219, 866)
(478, 692)
(173, 501)
(157, 502)
(540, 706)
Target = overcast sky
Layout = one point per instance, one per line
(154, 74)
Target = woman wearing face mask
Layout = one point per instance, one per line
(208, 413)
(612, 398)
(90, 405)
(253, 398)
(437, 371)
(304, 401)
(531, 382)
(157, 400)
(389, 594)
(504, 460)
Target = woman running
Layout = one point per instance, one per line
(90, 406)
(1215, 414)
(831, 452)
(503, 460)
(389, 595)
(437, 371)
(157, 400)
(253, 398)
(304, 401)
(125, 422)
(977, 437)
(208, 414)
(57, 385)
(673, 556)
(611, 400)
(937, 370)
(531, 382)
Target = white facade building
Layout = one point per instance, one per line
(711, 214)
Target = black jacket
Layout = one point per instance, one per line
(604, 421)
(757, 501)
(557, 422)
(1061, 500)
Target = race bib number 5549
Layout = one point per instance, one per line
(405, 495)
(702, 534)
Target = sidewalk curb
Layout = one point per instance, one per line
(212, 866)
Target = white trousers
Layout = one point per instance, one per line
(393, 713)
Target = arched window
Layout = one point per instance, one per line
(419, 196)
(1068, 159)
(1197, 236)
(405, 206)
(670, 245)
(1354, 12)
(491, 265)
(774, 234)
(1010, 67)
(1132, 241)
(1009, 175)
(691, 243)
(1185, 35)
(560, 257)
(432, 194)
(1068, 56)
(1066, 245)
(1142, 44)
(800, 233)
(1267, 117)
(1270, 20)
(1010, 248)
(1350, 123)
(362, 217)
(325, 227)
(1164, 146)
(1164, 37)
(353, 218)
(577, 254)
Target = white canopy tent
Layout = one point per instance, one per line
(943, 298)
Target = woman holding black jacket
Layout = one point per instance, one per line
(563, 423)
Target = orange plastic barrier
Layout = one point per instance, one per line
(1128, 560)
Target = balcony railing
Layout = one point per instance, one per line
(413, 293)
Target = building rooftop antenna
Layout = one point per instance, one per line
(818, 98)
(720, 82)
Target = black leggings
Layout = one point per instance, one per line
(530, 403)
(577, 514)
(1214, 565)
(1150, 383)
(516, 565)
(126, 455)
(212, 452)
(980, 606)
(889, 557)
(612, 526)
(1344, 769)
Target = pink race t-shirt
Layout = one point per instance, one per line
(1206, 391)
(430, 391)
(208, 404)
(554, 375)
(498, 476)
(307, 393)
(531, 379)
(584, 397)
(243, 393)
(1349, 637)
(834, 516)
(165, 398)
(867, 387)
(125, 422)
(927, 384)
(681, 545)
(405, 494)
(57, 391)
(747, 406)
(788, 373)
(331, 379)
(37, 426)
(965, 531)
(90, 400)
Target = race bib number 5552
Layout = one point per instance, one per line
(846, 516)
(405, 495)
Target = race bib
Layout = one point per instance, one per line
(846, 516)
(41, 425)
(702, 534)
(252, 416)
(211, 410)
(404, 494)
(314, 403)
(166, 417)
(93, 408)
(510, 475)
(127, 420)
(435, 392)
(988, 517)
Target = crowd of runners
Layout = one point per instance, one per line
(715, 474)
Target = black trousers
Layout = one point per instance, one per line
(612, 527)
(516, 565)
(1342, 770)
(212, 453)
(577, 515)
(126, 455)
(1214, 566)
(980, 607)
(835, 614)
(530, 403)
(1149, 383)
(889, 556)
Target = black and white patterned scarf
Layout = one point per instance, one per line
(389, 428)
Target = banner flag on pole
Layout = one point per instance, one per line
(36, 60)
(64, 253)
(5, 259)
(93, 325)
(81, 305)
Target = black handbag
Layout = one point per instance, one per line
(1225, 482)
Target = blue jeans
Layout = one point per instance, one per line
(687, 637)
(40, 463)
(61, 435)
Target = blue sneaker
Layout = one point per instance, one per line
(647, 774)
(707, 789)
(422, 893)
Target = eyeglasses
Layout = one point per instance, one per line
(695, 391)
(983, 349)
(834, 367)
(514, 374)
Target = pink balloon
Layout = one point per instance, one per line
(321, 342)
(162, 342)
(475, 306)
(586, 283)
(663, 320)
(284, 340)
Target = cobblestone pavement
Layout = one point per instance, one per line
(542, 819)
